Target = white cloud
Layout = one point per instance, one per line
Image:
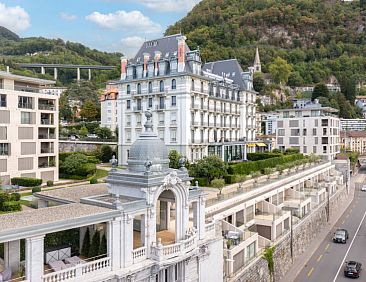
(67, 16)
(170, 5)
(130, 45)
(123, 20)
(14, 18)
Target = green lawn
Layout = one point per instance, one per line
(100, 173)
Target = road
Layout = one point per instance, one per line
(327, 262)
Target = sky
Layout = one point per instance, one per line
(106, 25)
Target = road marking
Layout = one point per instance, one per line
(311, 271)
(327, 247)
(319, 258)
(350, 246)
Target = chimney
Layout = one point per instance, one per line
(123, 68)
(7, 69)
(157, 59)
(181, 53)
(146, 59)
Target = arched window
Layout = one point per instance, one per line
(150, 87)
(128, 89)
(174, 84)
(161, 86)
(139, 88)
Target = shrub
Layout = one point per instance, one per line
(230, 179)
(202, 181)
(15, 197)
(36, 189)
(93, 160)
(106, 153)
(87, 169)
(268, 170)
(11, 206)
(262, 156)
(95, 245)
(218, 183)
(49, 183)
(77, 164)
(103, 245)
(209, 167)
(93, 180)
(256, 174)
(26, 181)
(85, 249)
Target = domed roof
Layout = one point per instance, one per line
(148, 153)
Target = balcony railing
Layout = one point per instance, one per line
(47, 150)
(160, 107)
(161, 252)
(81, 272)
(26, 89)
(139, 254)
(25, 105)
(46, 121)
(46, 136)
(47, 107)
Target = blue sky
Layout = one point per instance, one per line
(108, 25)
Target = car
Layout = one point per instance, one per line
(363, 188)
(340, 236)
(92, 136)
(352, 269)
(73, 137)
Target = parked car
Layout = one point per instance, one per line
(352, 269)
(340, 236)
(363, 188)
(74, 137)
(92, 136)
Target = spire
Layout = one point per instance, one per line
(257, 62)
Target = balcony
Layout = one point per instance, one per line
(160, 107)
(81, 272)
(160, 252)
(137, 109)
(46, 122)
(46, 162)
(47, 107)
(47, 148)
(25, 105)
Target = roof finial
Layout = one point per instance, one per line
(148, 125)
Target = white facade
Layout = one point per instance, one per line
(355, 124)
(53, 90)
(269, 122)
(195, 111)
(314, 130)
(28, 129)
(109, 108)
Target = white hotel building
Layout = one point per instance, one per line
(28, 129)
(198, 109)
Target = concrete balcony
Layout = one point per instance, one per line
(81, 272)
(161, 252)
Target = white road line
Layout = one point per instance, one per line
(349, 248)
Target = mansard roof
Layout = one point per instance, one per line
(230, 69)
(168, 46)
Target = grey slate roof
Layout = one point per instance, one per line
(166, 45)
(230, 68)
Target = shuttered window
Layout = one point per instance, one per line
(25, 163)
(3, 165)
(28, 148)
(25, 132)
(4, 116)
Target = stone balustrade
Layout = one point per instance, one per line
(80, 272)
(139, 254)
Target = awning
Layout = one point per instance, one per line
(261, 145)
(251, 145)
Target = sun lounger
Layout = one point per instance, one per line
(74, 260)
(56, 265)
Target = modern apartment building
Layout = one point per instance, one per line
(269, 123)
(28, 129)
(198, 109)
(311, 130)
(108, 107)
(353, 124)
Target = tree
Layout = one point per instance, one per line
(218, 184)
(73, 164)
(95, 245)
(348, 88)
(280, 70)
(83, 132)
(106, 153)
(103, 133)
(268, 256)
(295, 79)
(258, 83)
(103, 246)
(85, 249)
(174, 157)
(89, 110)
(210, 167)
(320, 90)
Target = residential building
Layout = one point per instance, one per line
(269, 123)
(53, 90)
(311, 130)
(108, 107)
(28, 129)
(353, 124)
(360, 102)
(198, 109)
(354, 141)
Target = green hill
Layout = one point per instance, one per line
(14, 49)
(318, 38)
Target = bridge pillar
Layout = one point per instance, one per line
(78, 74)
(43, 71)
(89, 73)
(55, 73)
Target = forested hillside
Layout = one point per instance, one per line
(318, 38)
(14, 49)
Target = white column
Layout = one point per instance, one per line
(78, 74)
(34, 255)
(89, 74)
(127, 231)
(168, 206)
(143, 230)
(55, 73)
(114, 243)
(12, 255)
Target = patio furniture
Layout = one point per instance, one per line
(57, 265)
(5, 275)
(74, 260)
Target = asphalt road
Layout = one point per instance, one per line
(327, 262)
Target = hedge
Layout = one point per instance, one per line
(202, 181)
(11, 206)
(249, 167)
(262, 156)
(26, 182)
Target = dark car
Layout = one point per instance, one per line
(340, 236)
(352, 269)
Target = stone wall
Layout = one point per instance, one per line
(82, 146)
(303, 234)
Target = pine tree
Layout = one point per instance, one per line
(95, 244)
(86, 244)
(103, 245)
